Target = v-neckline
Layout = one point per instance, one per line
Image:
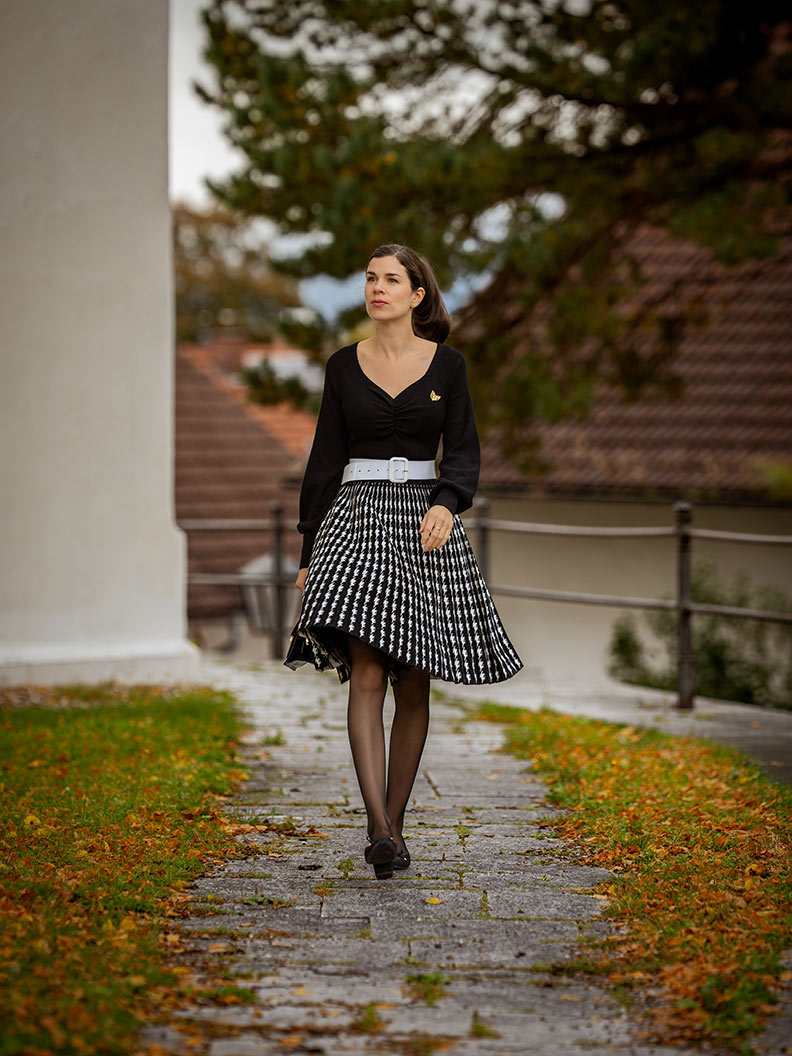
(407, 387)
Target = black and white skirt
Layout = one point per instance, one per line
(369, 576)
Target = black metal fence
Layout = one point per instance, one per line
(274, 580)
(683, 605)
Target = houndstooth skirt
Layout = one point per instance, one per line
(369, 576)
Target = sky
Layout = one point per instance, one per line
(198, 148)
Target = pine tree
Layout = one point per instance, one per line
(522, 141)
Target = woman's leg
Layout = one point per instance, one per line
(367, 687)
(407, 739)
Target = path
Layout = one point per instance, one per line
(490, 902)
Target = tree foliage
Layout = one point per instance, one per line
(223, 277)
(523, 141)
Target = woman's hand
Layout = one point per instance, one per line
(436, 527)
(300, 580)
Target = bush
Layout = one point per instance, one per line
(749, 661)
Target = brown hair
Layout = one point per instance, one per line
(430, 318)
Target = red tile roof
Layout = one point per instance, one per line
(731, 424)
(291, 427)
(231, 461)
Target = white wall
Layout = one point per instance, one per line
(92, 567)
(565, 640)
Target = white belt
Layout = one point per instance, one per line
(395, 468)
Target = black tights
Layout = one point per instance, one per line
(368, 684)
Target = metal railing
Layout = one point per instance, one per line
(275, 579)
(683, 605)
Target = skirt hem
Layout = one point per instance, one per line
(340, 662)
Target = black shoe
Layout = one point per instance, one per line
(402, 859)
(381, 854)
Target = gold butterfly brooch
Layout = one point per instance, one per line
(433, 395)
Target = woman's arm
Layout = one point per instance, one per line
(326, 461)
(460, 464)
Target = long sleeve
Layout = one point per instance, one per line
(326, 461)
(461, 461)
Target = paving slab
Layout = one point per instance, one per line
(463, 953)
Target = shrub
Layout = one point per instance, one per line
(749, 661)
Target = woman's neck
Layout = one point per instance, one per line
(394, 340)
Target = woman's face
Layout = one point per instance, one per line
(389, 294)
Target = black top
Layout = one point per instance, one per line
(358, 419)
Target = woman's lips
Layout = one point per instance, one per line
(378, 302)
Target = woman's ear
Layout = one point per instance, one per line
(418, 296)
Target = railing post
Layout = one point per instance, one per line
(483, 508)
(277, 581)
(685, 673)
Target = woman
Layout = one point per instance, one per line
(391, 587)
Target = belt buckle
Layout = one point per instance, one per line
(398, 458)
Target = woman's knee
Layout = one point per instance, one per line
(412, 687)
(368, 665)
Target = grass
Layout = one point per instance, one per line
(346, 866)
(368, 1022)
(110, 804)
(479, 1029)
(462, 831)
(274, 739)
(428, 987)
(228, 994)
(700, 843)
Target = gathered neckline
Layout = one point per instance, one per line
(407, 387)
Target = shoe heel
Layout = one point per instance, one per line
(380, 854)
